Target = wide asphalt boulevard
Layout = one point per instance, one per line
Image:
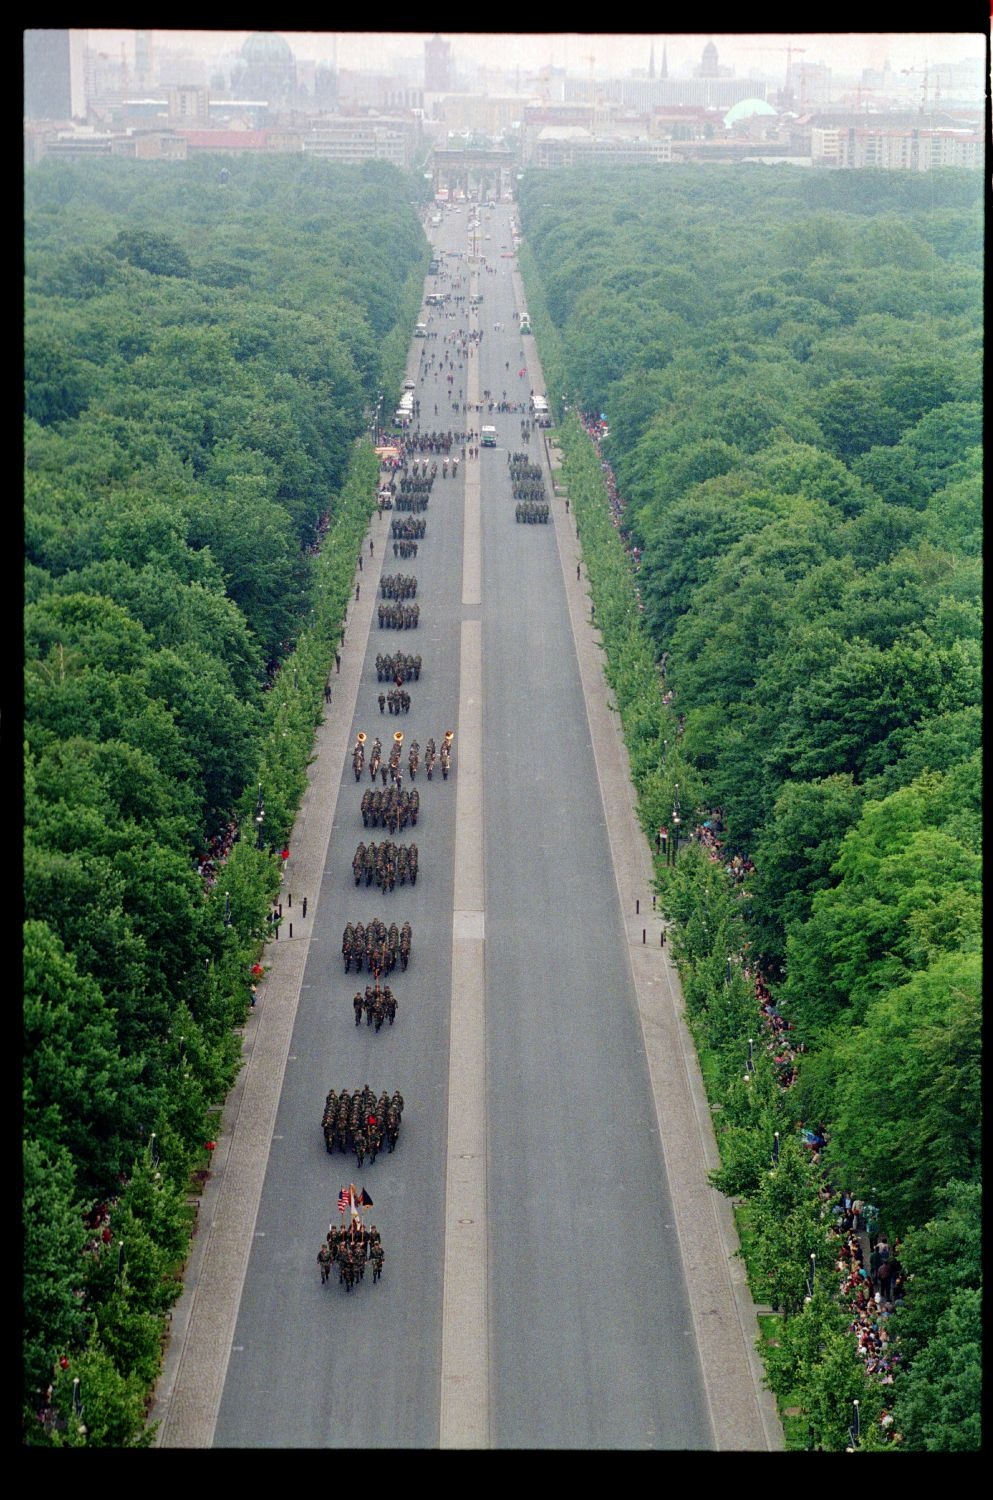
(534, 1293)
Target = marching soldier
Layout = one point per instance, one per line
(324, 1261)
(357, 1007)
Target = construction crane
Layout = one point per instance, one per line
(789, 49)
(592, 61)
(923, 104)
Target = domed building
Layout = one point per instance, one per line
(267, 69)
(751, 117)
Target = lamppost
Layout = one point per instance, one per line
(775, 1148)
(227, 908)
(853, 1431)
(676, 820)
(259, 819)
(810, 1275)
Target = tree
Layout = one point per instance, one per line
(113, 1405)
(907, 1112)
(53, 1239)
(76, 1081)
(795, 853)
(937, 1407)
(55, 386)
(149, 251)
(943, 1256)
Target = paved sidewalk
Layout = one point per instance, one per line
(189, 1391)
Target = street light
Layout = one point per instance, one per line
(227, 908)
(810, 1275)
(259, 819)
(775, 1148)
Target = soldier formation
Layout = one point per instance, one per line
(385, 863)
(533, 512)
(397, 700)
(408, 529)
(378, 1004)
(383, 948)
(391, 807)
(351, 1250)
(398, 668)
(361, 1123)
(434, 442)
(398, 586)
(413, 499)
(398, 616)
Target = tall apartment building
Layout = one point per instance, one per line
(895, 150)
(54, 87)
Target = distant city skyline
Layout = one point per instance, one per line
(612, 53)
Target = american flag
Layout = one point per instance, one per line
(344, 1201)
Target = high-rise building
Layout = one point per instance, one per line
(144, 53)
(437, 66)
(53, 74)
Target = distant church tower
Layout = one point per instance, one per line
(651, 60)
(708, 63)
(437, 65)
(665, 66)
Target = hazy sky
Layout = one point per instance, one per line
(616, 53)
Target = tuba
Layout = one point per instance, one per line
(398, 737)
(361, 738)
(449, 737)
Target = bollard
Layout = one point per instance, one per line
(305, 906)
(662, 938)
(637, 907)
(289, 899)
(643, 935)
(279, 908)
(291, 929)
(653, 903)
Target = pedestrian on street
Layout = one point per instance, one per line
(357, 587)
(337, 661)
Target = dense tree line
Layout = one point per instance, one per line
(790, 363)
(203, 345)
